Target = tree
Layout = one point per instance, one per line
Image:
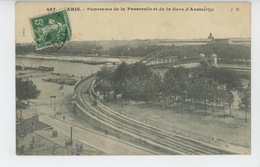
(135, 81)
(245, 103)
(230, 78)
(223, 96)
(230, 100)
(176, 83)
(213, 94)
(119, 78)
(104, 83)
(26, 90)
(105, 88)
(203, 91)
(104, 73)
(141, 83)
(152, 87)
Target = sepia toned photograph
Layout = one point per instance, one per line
(136, 78)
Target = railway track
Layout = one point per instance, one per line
(161, 141)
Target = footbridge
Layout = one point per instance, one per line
(165, 59)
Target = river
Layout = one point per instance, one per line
(61, 64)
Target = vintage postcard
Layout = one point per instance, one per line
(114, 78)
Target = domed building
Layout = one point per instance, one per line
(211, 36)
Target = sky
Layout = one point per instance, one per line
(226, 20)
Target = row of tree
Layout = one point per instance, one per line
(207, 86)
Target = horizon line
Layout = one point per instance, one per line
(137, 39)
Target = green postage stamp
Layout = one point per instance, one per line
(51, 30)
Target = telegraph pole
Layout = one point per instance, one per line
(71, 134)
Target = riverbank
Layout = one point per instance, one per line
(92, 60)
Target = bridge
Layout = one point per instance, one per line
(163, 59)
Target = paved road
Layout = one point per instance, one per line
(101, 142)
